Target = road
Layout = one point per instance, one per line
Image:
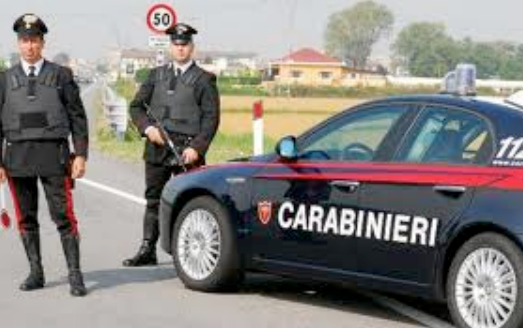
(110, 226)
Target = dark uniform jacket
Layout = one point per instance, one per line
(46, 157)
(208, 102)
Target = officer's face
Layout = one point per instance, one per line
(182, 53)
(31, 47)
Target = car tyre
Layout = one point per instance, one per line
(484, 285)
(204, 247)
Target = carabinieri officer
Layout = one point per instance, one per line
(40, 109)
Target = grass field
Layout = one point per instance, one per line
(283, 104)
(282, 116)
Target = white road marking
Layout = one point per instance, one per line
(408, 311)
(113, 191)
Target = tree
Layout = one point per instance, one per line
(351, 33)
(3, 65)
(141, 75)
(425, 49)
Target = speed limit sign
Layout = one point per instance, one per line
(160, 17)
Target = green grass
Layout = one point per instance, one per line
(107, 143)
(229, 146)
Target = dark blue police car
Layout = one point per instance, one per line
(421, 195)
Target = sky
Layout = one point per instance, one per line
(271, 28)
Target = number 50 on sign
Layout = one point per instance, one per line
(160, 17)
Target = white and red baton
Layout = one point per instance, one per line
(5, 220)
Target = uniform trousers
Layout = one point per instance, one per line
(156, 176)
(59, 200)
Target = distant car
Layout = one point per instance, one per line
(421, 195)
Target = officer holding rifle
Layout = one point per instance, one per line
(181, 100)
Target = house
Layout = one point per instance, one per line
(308, 66)
(127, 61)
(132, 60)
(363, 78)
(226, 62)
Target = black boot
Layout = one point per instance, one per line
(147, 252)
(146, 256)
(36, 279)
(71, 246)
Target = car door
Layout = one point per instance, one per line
(411, 201)
(296, 205)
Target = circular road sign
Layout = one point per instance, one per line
(160, 17)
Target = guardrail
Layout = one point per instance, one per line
(115, 111)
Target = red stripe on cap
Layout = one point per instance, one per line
(16, 204)
(69, 212)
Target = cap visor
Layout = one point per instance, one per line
(30, 33)
(180, 42)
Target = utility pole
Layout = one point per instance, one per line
(290, 34)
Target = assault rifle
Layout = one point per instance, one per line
(177, 160)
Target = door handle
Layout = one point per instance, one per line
(349, 186)
(450, 190)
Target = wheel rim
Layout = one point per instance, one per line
(486, 289)
(199, 244)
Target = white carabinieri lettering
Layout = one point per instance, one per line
(348, 222)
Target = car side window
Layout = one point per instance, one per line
(443, 135)
(355, 137)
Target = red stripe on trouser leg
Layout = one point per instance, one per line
(69, 212)
(16, 204)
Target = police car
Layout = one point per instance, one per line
(421, 195)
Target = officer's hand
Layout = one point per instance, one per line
(78, 169)
(190, 155)
(3, 175)
(154, 136)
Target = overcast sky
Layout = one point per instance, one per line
(89, 28)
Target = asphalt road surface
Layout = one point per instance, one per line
(109, 207)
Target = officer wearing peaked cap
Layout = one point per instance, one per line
(186, 99)
(40, 109)
(30, 24)
(181, 33)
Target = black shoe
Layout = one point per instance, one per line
(35, 280)
(76, 281)
(146, 256)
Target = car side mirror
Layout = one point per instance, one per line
(286, 148)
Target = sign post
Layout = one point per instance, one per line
(160, 17)
(257, 127)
